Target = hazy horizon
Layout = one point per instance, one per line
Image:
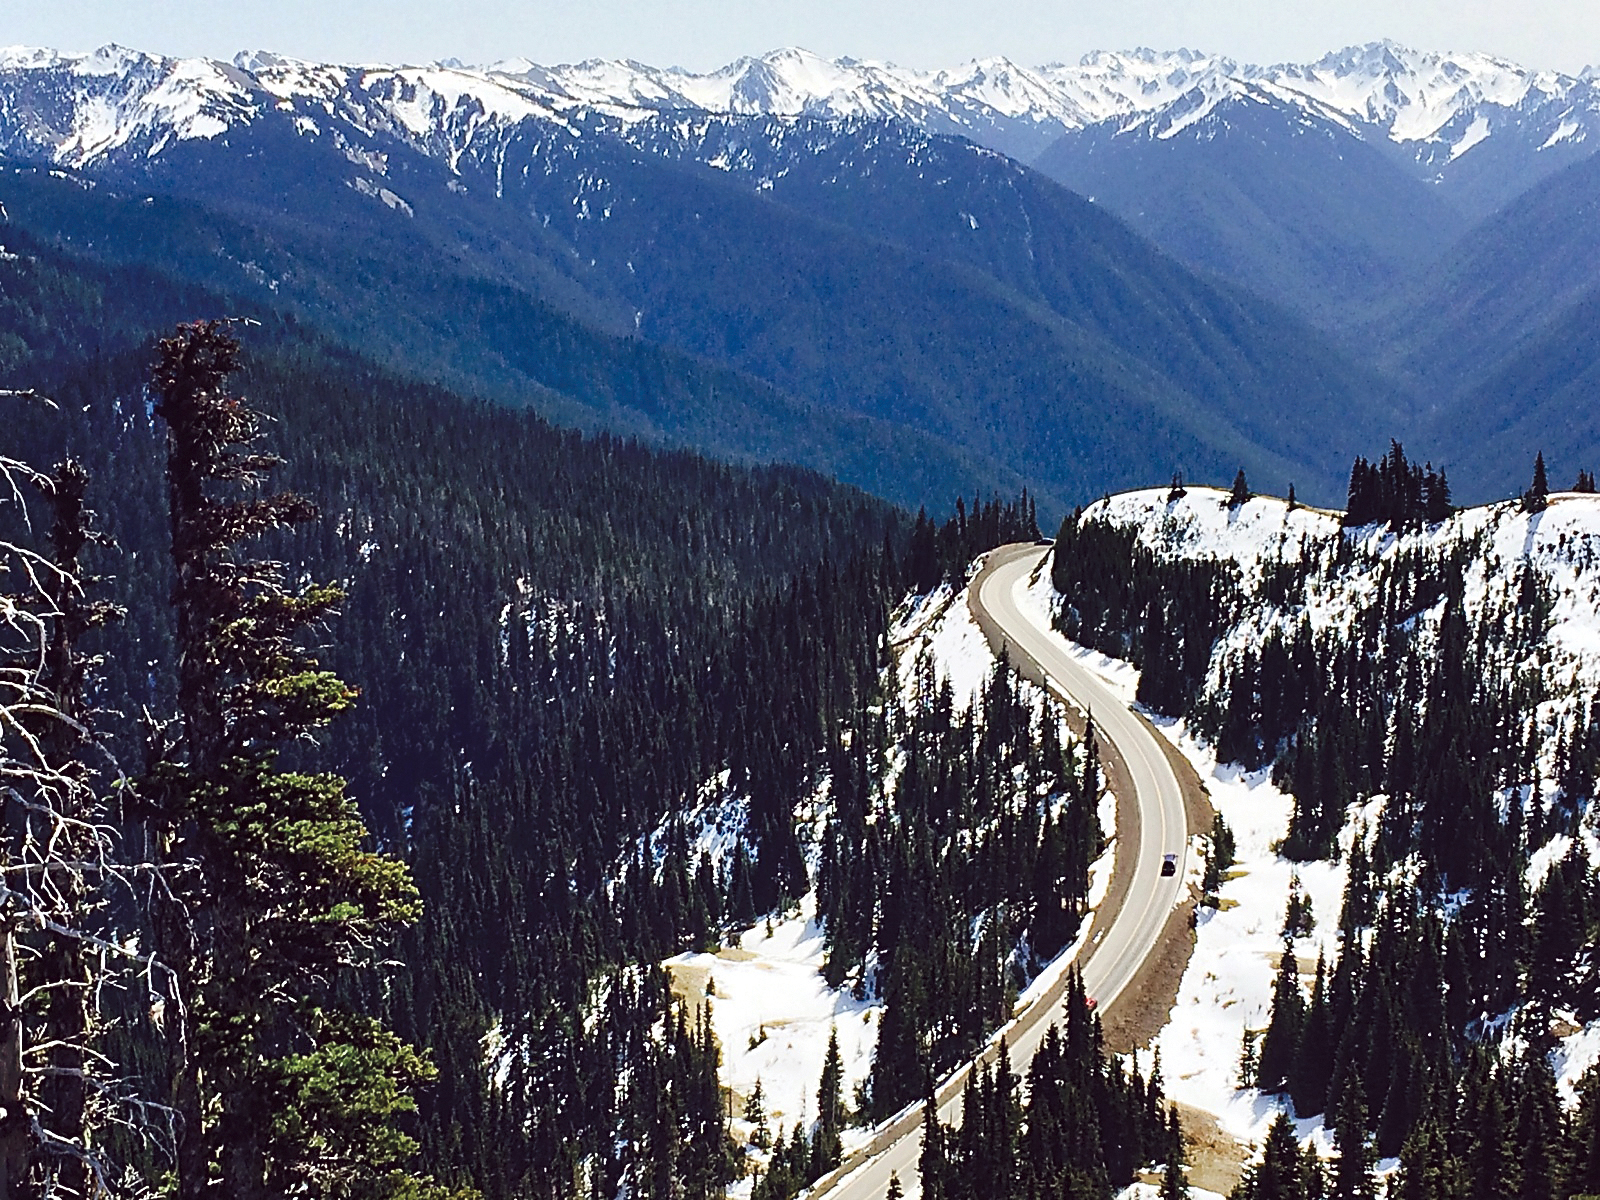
(702, 35)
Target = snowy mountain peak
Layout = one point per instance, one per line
(74, 108)
(1141, 54)
(1207, 108)
(1413, 95)
(255, 61)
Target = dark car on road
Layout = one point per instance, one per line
(1169, 864)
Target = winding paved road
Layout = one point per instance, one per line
(1115, 954)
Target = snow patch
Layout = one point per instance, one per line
(1576, 1055)
(773, 1013)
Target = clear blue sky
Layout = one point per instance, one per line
(701, 34)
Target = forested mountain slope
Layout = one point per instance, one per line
(415, 308)
(1506, 283)
(557, 640)
(1267, 189)
(1227, 355)
(567, 647)
(482, 234)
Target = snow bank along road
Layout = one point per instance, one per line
(1110, 962)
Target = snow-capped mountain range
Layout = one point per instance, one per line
(1435, 109)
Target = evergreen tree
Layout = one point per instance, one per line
(1438, 506)
(1492, 1167)
(1174, 1183)
(1249, 1057)
(1220, 857)
(1282, 1038)
(895, 1192)
(278, 1084)
(1352, 1170)
(1281, 1173)
(932, 1163)
(1241, 490)
(1428, 1170)
(1584, 1173)
(1538, 1129)
(755, 1112)
(1313, 1062)
(1537, 497)
(825, 1141)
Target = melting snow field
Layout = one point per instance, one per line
(773, 1011)
(1228, 986)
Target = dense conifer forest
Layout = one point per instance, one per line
(1085, 1125)
(553, 644)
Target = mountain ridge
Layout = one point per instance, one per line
(465, 227)
(1433, 109)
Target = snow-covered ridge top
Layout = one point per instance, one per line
(77, 109)
(1218, 94)
(1561, 544)
(1199, 524)
(1408, 94)
(81, 106)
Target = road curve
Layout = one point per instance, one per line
(1110, 963)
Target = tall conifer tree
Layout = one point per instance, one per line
(279, 1086)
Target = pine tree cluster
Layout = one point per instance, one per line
(1163, 615)
(959, 875)
(1399, 493)
(1087, 1125)
(941, 553)
(1400, 1019)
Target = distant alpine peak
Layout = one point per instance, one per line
(1205, 108)
(78, 107)
(1414, 95)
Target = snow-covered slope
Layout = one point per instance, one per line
(1483, 128)
(1560, 546)
(1228, 984)
(117, 105)
(76, 110)
(1205, 108)
(1433, 108)
(1416, 96)
(993, 101)
(1436, 109)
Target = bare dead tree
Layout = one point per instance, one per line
(60, 864)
